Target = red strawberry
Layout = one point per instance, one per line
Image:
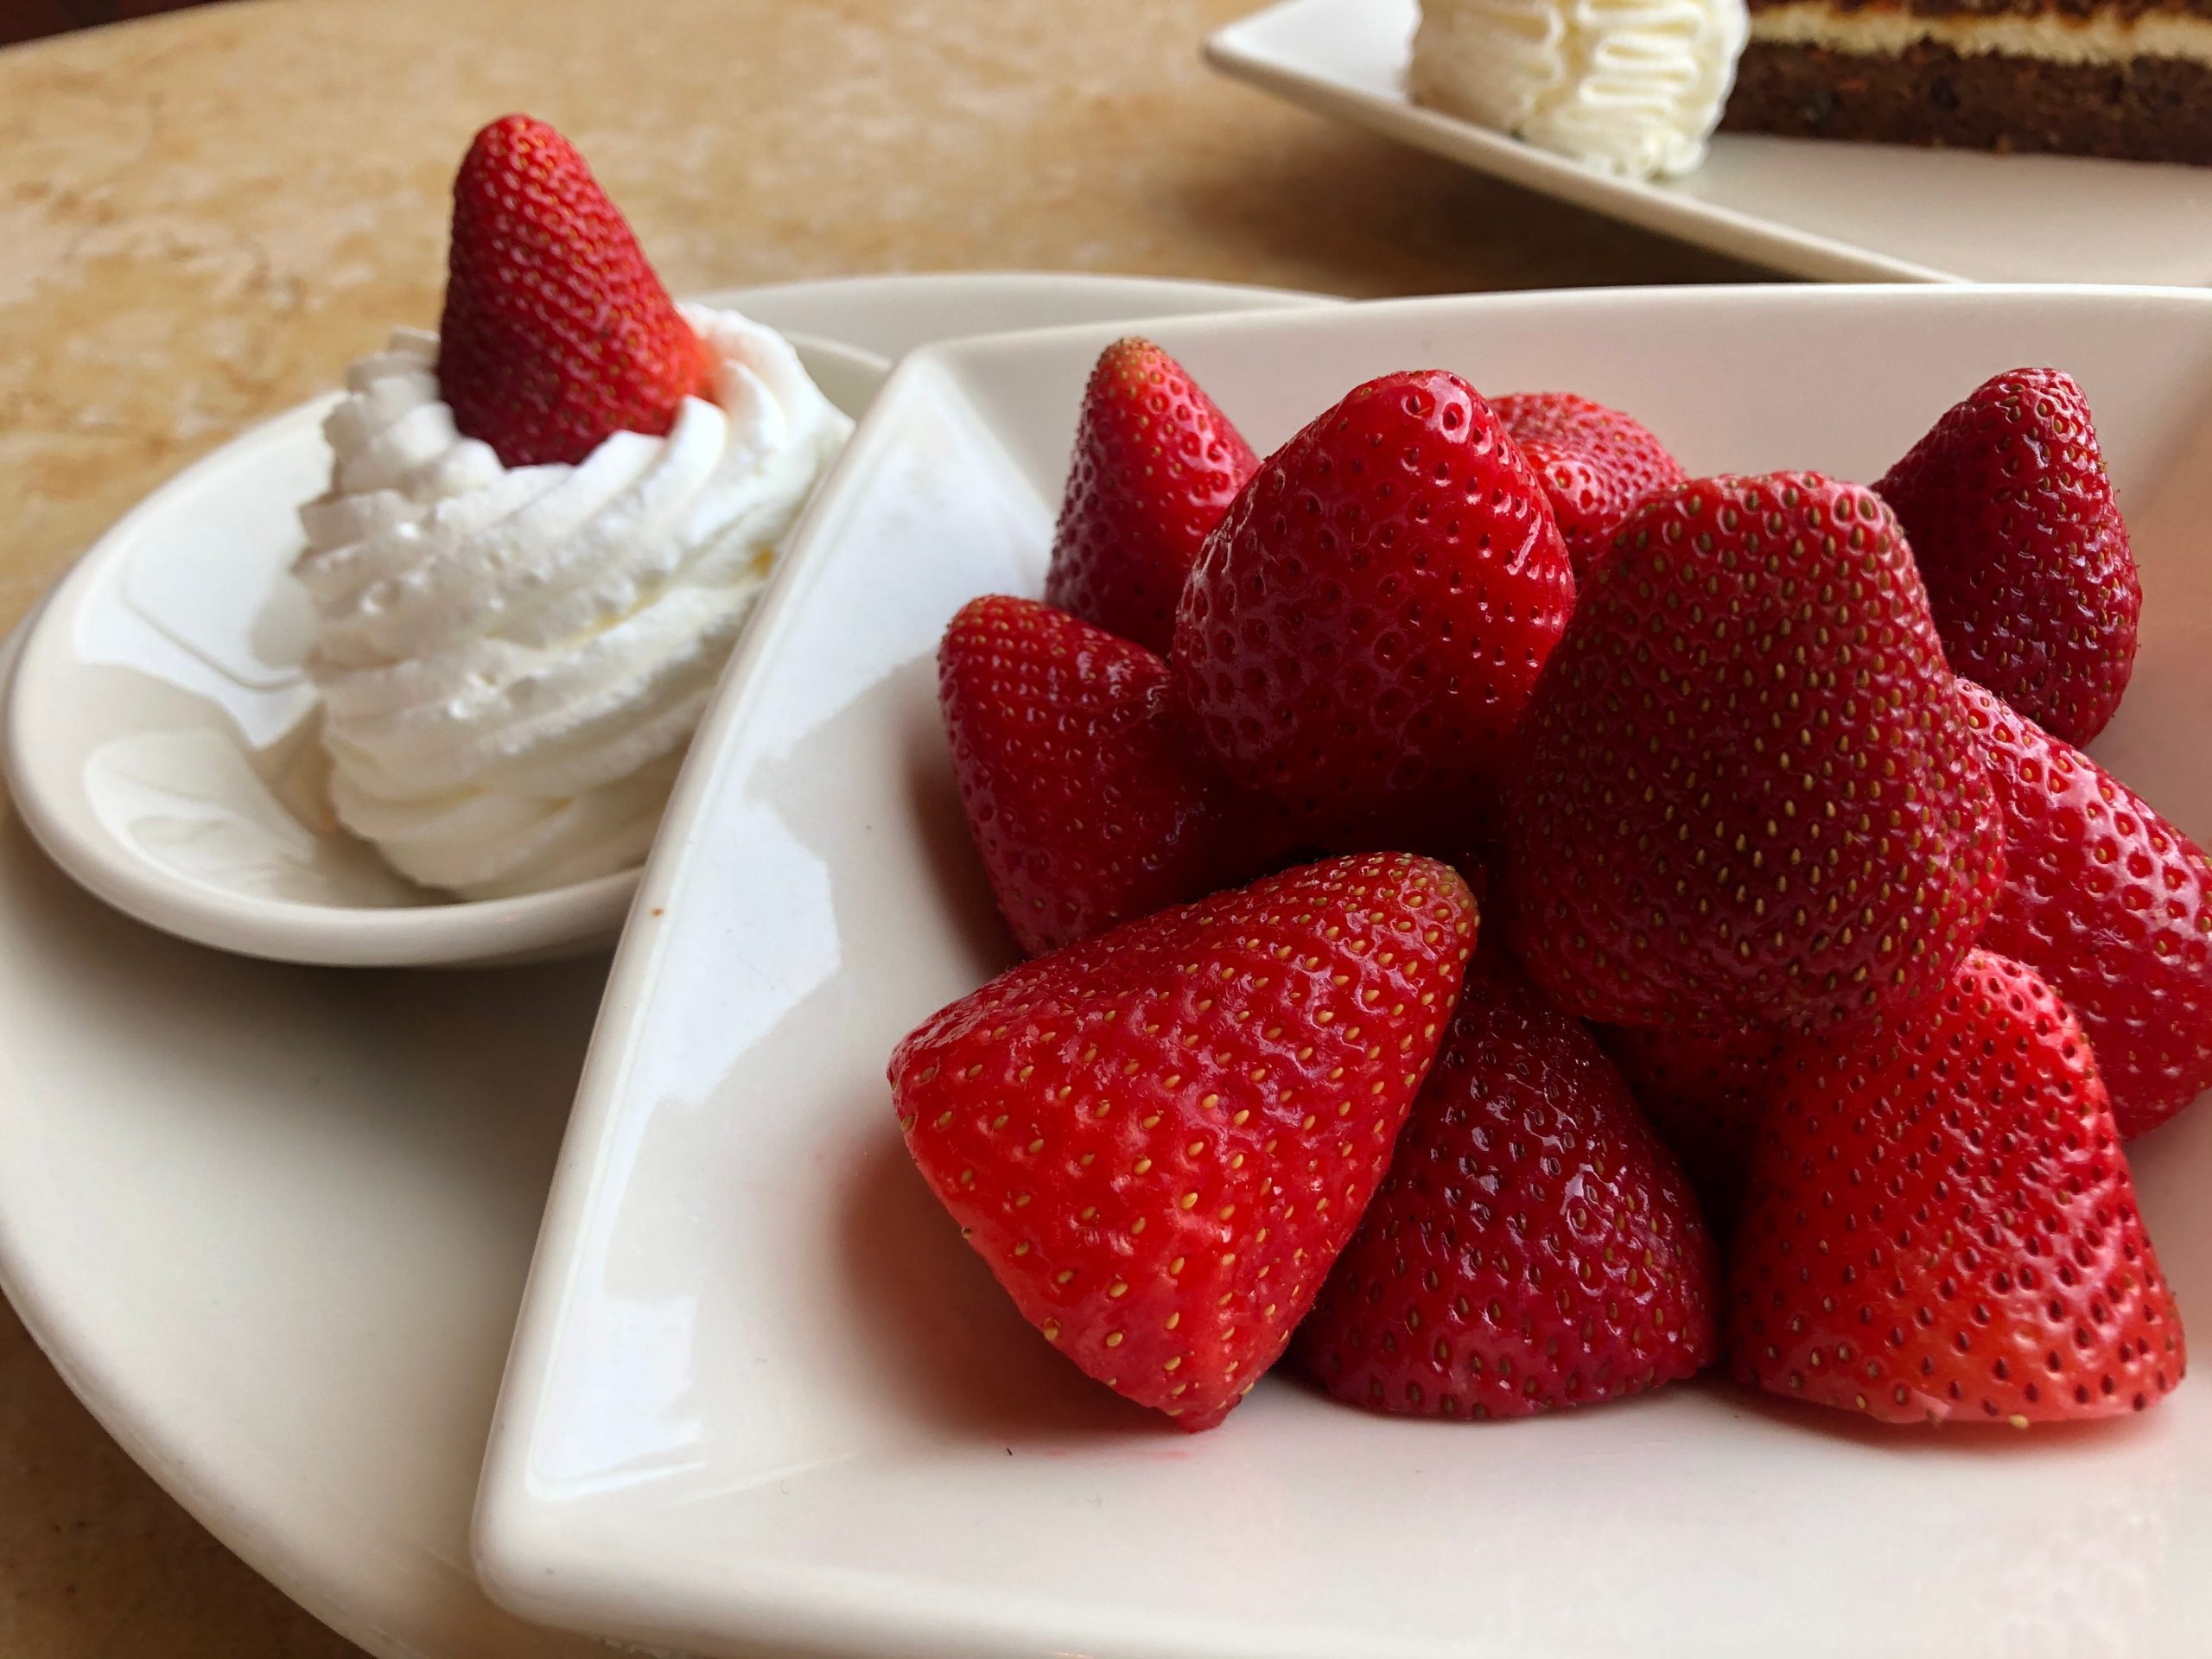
(1155, 466)
(1082, 798)
(1534, 1245)
(2112, 904)
(1942, 1223)
(1159, 1138)
(556, 333)
(1361, 631)
(1705, 1092)
(2027, 564)
(1595, 463)
(1749, 794)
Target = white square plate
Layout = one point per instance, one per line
(762, 1398)
(1844, 212)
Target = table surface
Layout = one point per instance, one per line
(205, 216)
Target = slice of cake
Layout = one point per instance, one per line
(2113, 78)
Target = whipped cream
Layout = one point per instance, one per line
(1632, 87)
(512, 659)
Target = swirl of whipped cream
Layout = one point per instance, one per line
(512, 659)
(1632, 87)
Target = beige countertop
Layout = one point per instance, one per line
(204, 216)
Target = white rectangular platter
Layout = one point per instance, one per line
(1842, 213)
(763, 1399)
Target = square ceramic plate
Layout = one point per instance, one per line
(1844, 212)
(762, 1398)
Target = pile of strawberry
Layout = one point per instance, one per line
(1821, 976)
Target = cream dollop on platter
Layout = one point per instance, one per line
(1632, 87)
(512, 660)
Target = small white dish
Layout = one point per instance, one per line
(1843, 213)
(763, 1399)
(162, 742)
(271, 1224)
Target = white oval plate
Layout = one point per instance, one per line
(763, 1399)
(161, 736)
(271, 1223)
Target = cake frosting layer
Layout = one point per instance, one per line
(512, 660)
(1626, 86)
(2051, 35)
(2117, 11)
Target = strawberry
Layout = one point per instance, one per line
(2028, 567)
(1942, 1223)
(1532, 1246)
(1748, 791)
(1361, 630)
(556, 333)
(1079, 791)
(1156, 464)
(1595, 463)
(1160, 1137)
(1705, 1092)
(2112, 904)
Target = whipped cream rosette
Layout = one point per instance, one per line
(512, 659)
(1632, 87)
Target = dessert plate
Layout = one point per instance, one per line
(762, 1398)
(271, 1224)
(1843, 212)
(162, 735)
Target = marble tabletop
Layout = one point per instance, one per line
(204, 216)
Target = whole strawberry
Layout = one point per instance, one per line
(1360, 632)
(2112, 904)
(1705, 1091)
(1748, 793)
(1079, 790)
(1156, 464)
(1941, 1224)
(1160, 1138)
(2028, 567)
(556, 333)
(1595, 463)
(1534, 1245)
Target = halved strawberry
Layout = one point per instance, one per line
(1156, 464)
(1942, 1223)
(1596, 465)
(1705, 1091)
(1748, 794)
(1159, 1138)
(1079, 790)
(556, 333)
(1360, 632)
(2112, 904)
(2027, 561)
(1534, 1245)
